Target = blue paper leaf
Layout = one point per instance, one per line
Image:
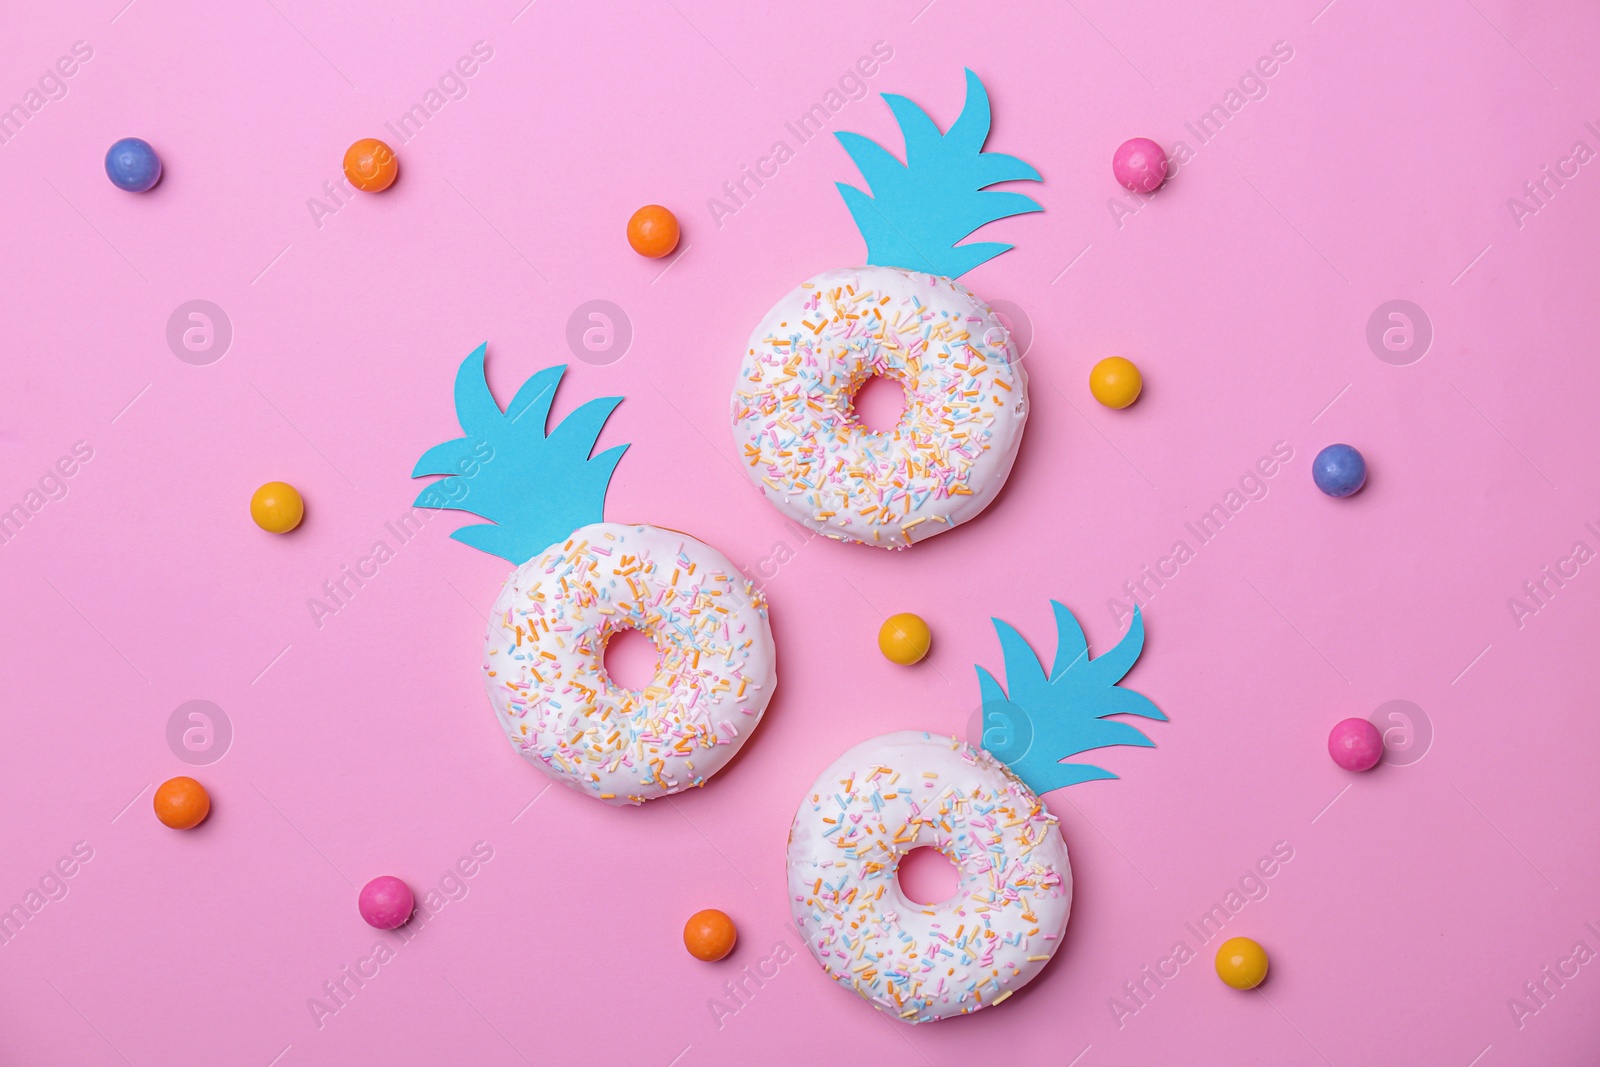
(534, 487)
(444, 458)
(1044, 778)
(920, 209)
(1071, 645)
(1039, 720)
(989, 690)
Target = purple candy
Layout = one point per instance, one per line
(1140, 164)
(1355, 745)
(386, 902)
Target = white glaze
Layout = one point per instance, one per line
(546, 679)
(923, 962)
(966, 404)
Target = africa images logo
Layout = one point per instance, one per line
(808, 126)
(51, 887)
(199, 732)
(52, 486)
(52, 85)
(1399, 332)
(199, 332)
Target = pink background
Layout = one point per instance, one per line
(1419, 899)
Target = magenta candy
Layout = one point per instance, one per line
(1355, 745)
(1140, 164)
(386, 902)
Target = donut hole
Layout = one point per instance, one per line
(631, 659)
(878, 403)
(927, 876)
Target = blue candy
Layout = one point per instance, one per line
(1339, 470)
(133, 165)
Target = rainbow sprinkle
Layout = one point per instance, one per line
(926, 962)
(966, 401)
(545, 674)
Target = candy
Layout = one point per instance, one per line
(133, 165)
(904, 638)
(182, 803)
(653, 231)
(1115, 382)
(1140, 164)
(1355, 745)
(709, 935)
(386, 902)
(1241, 963)
(1339, 470)
(371, 165)
(277, 507)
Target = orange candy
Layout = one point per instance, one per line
(371, 165)
(1242, 963)
(653, 231)
(182, 803)
(709, 935)
(277, 507)
(1115, 382)
(904, 638)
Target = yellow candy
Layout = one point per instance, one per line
(1241, 963)
(904, 638)
(1115, 382)
(277, 507)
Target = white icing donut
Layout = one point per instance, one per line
(547, 680)
(966, 402)
(923, 962)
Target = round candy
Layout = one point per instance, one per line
(133, 165)
(1355, 745)
(277, 507)
(904, 638)
(182, 803)
(653, 231)
(1115, 382)
(371, 165)
(1140, 164)
(709, 935)
(386, 902)
(1241, 963)
(1339, 470)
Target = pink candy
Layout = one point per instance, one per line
(1140, 164)
(1355, 745)
(386, 902)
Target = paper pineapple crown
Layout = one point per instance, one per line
(534, 487)
(920, 209)
(1044, 718)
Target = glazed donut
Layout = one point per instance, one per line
(966, 400)
(546, 677)
(923, 962)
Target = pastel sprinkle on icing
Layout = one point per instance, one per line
(920, 962)
(546, 678)
(965, 392)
